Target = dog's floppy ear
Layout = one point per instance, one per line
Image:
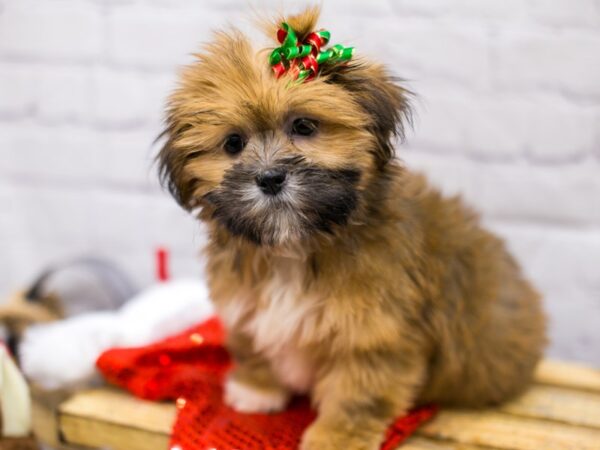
(379, 94)
(171, 165)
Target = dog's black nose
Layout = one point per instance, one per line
(271, 181)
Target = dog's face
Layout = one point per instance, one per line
(271, 160)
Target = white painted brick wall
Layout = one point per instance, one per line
(63, 30)
(507, 114)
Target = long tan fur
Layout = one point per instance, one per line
(400, 299)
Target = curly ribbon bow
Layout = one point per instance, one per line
(302, 59)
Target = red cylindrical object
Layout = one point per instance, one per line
(162, 264)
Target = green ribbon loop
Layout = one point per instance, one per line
(296, 52)
(303, 59)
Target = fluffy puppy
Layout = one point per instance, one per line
(337, 271)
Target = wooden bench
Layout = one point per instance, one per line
(560, 411)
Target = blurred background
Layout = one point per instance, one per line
(507, 115)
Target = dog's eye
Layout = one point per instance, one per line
(234, 144)
(304, 127)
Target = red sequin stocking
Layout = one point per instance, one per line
(189, 368)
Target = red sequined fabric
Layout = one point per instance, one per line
(189, 368)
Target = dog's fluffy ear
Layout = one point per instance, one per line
(379, 94)
(170, 168)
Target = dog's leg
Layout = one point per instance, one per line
(359, 398)
(251, 386)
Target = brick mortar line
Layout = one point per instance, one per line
(552, 227)
(495, 87)
(81, 184)
(472, 155)
(155, 191)
(34, 119)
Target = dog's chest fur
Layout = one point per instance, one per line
(281, 316)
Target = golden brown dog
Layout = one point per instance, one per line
(337, 271)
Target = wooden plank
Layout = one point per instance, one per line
(547, 402)
(558, 404)
(89, 419)
(100, 434)
(120, 438)
(44, 418)
(561, 413)
(570, 375)
(503, 431)
(45, 425)
(103, 418)
(422, 443)
(117, 407)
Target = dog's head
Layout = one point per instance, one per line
(272, 160)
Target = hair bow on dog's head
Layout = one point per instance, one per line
(303, 60)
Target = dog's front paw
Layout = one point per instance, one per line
(320, 437)
(248, 399)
